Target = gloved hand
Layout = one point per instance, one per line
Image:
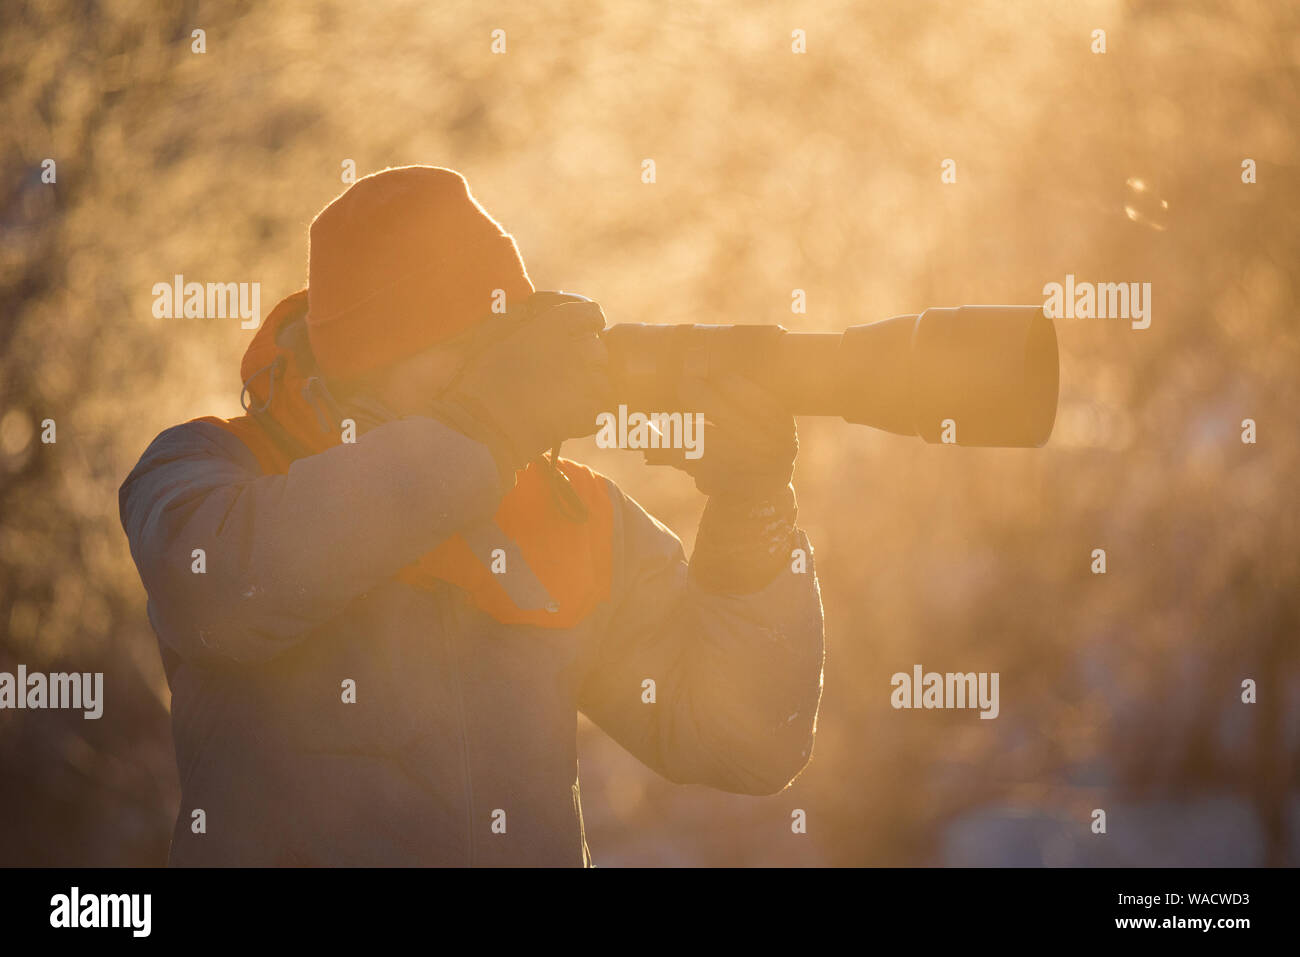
(750, 441)
(534, 378)
(746, 464)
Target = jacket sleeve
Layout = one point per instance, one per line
(737, 678)
(283, 553)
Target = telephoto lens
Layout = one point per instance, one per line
(968, 375)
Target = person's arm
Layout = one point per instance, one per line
(734, 641)
(286, 552)
(283, 553)
(737, 677)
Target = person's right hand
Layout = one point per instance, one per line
(536, 378)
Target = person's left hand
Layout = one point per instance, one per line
(749, 443)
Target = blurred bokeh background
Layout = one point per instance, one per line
(775, 171)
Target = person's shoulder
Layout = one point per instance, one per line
(208, 436)
(207, 432)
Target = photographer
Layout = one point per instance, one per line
(381, 597)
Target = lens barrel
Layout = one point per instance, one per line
(983, 375)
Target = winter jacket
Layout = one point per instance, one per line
(325, 712)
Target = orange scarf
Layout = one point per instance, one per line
(570, 559)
